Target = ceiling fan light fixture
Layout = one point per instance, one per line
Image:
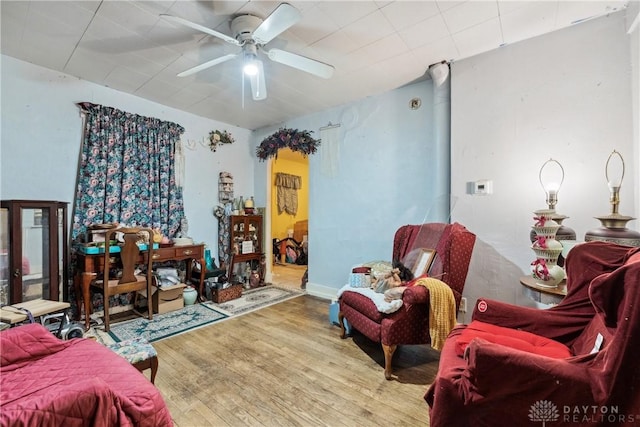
(251, 33)
(250, 67)
(250, 59)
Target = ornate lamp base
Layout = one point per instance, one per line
(614, 230)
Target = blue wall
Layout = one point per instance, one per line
(385, 179)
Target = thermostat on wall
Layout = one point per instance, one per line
(483, 187)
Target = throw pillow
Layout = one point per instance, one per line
(517, 339)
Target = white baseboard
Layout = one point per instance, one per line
(321, 291)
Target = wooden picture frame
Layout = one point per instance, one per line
(423, 261)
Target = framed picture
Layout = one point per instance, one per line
(247, 247)
(423, 261)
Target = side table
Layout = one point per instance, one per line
(543, 294)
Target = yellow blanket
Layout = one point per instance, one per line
(442, 310)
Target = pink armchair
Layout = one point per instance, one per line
(488, 381)
(410, 324)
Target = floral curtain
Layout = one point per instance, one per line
(288, 186)
(127, 172)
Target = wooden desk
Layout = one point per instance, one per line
(544, 294)
(89, 265)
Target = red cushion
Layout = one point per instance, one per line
(520, 340)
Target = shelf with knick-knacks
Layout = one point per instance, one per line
(246, 245)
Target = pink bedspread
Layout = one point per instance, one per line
(49, 382)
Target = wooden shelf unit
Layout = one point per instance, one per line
(246, 242)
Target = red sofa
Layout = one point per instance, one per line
(494, 383)
(410, 324)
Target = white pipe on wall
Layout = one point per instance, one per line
(442, 206)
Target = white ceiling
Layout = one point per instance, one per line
(375, 46)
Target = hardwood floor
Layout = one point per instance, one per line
(285, 365)
(289, 275)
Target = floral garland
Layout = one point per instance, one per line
(217, 137)
(296, 140)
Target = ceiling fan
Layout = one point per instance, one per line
(252, 33)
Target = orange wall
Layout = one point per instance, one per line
(293, 164)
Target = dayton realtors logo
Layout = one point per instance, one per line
(545, 411)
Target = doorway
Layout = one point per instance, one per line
(289, 218)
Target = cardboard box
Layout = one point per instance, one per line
(166, 298)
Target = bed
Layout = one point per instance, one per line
(48, 381)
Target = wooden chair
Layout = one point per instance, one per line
(130, 257)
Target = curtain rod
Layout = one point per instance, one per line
(330, 126)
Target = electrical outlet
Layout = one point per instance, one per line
(463, 305)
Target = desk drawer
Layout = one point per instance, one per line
(192, 251)
(179, 252)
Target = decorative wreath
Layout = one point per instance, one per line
(217, 137)
(296, 140)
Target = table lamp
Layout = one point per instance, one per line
(551, 177)
(614, 225)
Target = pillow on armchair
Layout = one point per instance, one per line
(513, 338)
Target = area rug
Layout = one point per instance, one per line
(166, 324)
(192, 316)
(254, 299)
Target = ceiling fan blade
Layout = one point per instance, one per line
(258, 84)
(300, 62)
(199, 27)
(207, 64)
(279, 21)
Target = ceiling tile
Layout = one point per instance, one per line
(303, 5)
(425, 32)
(92, 5)
(157, 91)
(443, 50)
(403, 14)
(481, 38)
(157, 54)
(49, 55)
(88, 65)
(530, 19)
(186, 97)
(125, 79)
(448, 4)
(360, 31)
(211, 14)
(344, 13)
(129, 16)
(110, 30)
(53, 41)
(14, 11)
(138, 64)
(11, 39)
(508, 6)
(338, 42)
(154, 7)
(469, 14)
(390, 46)
(72, 14)
(314, 26)
(574, 12)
